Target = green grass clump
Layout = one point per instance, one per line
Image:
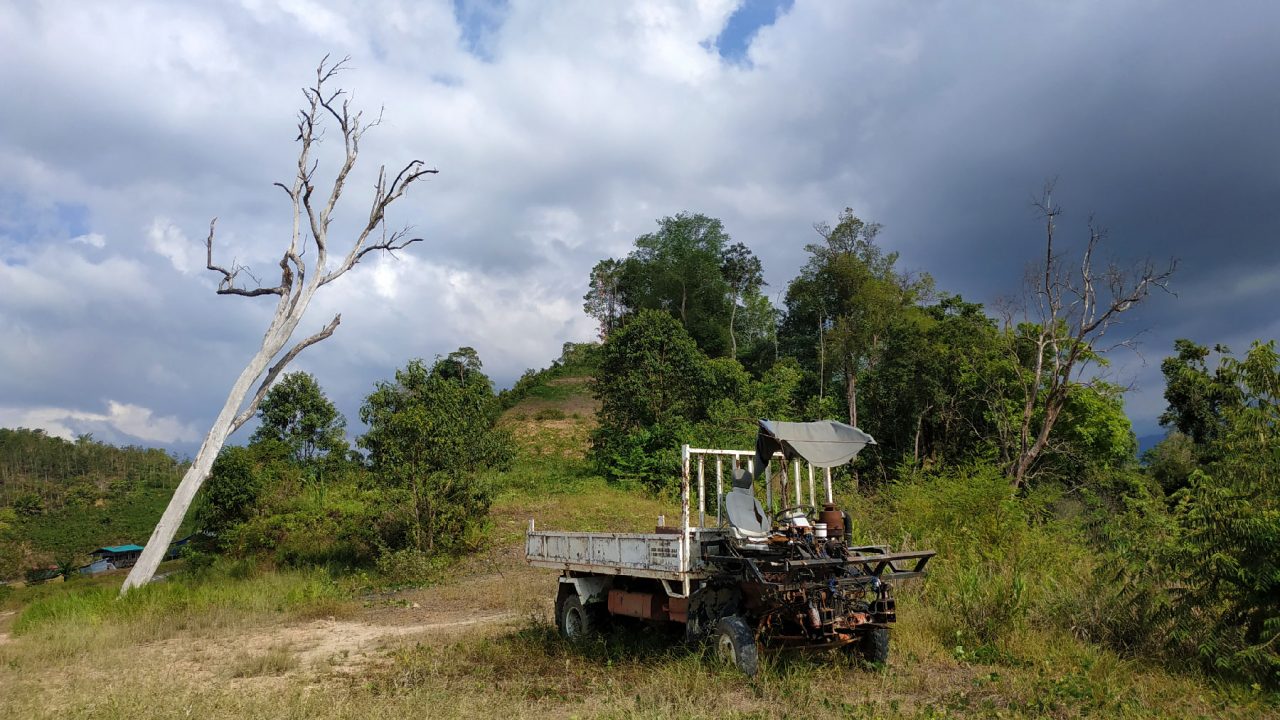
(228, 595)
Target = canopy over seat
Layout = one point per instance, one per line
(822, 444)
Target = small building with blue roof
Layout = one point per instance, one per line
(121, 556)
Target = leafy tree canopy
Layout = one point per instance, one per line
(678, 270)
(430, 430)
(296, 412)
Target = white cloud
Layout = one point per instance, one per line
(583, 123)
(131, 420)
(167, 239)
(91, 239)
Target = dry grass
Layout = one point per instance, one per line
(276, 660)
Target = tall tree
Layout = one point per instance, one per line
(744, 275)
(678, 270)
(1198, 399)
(296, 412)
(430, 430)
(233, 486)
(603, 300)
(934, 395)
(842, 304)
(1058, 330)
(312, 214)
(1228, 560)
(653, 382)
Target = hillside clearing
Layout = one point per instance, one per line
(479, 641)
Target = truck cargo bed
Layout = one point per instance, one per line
(654, 555)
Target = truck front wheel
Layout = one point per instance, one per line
(873, 646)
(736, 645)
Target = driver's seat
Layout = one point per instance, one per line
(747, 520)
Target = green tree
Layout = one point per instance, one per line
(430, 431)
(296, 412)
(228, 496)
(1197, 397)
(678, 270)
(936, 395)
(842, 305)
(653, 383)
(1229, 564)
(603, 301)
(1171, 461)
(744, 276)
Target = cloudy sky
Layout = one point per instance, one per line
(562, 131)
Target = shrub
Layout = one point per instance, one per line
(1001, 563)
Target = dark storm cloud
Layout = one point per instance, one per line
(1161, 124)
(563, 131)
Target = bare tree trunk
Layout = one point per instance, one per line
(295, 290)
(158, 545)
(851, 396)
(822, 357)
(1071, 317)
(733, 340)
(417, 515)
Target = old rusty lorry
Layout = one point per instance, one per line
(736, 573)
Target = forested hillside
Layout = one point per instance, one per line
(59, 499)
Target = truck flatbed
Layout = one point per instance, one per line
(658, 555)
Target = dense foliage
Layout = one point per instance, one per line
(296, 412)
(1221, 560)
(430, 432)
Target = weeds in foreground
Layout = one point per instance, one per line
(276, 660)
(227, 595)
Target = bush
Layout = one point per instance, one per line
(410, 567)
(1002, 565)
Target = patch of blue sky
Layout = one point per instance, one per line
(479, 21)
(744, 23)
(24, 219)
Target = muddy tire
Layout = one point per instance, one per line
(735, 644)
(575, 621)
(873, 646)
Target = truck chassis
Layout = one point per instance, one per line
(790, 583)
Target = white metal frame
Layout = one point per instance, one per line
(633, 553)
(687, 455)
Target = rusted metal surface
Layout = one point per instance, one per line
(834, 520)
(795, 585)
(645, 606)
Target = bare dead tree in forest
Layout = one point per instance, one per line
(312, 213)
(1063, 318)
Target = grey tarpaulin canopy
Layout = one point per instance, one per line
(823, 444)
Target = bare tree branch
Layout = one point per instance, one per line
(227, 286)
(288, 357)
(1064, 337)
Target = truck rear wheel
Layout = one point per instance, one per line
(576, 621)
(735, 644)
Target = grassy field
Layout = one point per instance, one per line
(242, 641)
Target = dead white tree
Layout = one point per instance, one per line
(312, 214)
(1064, 317)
